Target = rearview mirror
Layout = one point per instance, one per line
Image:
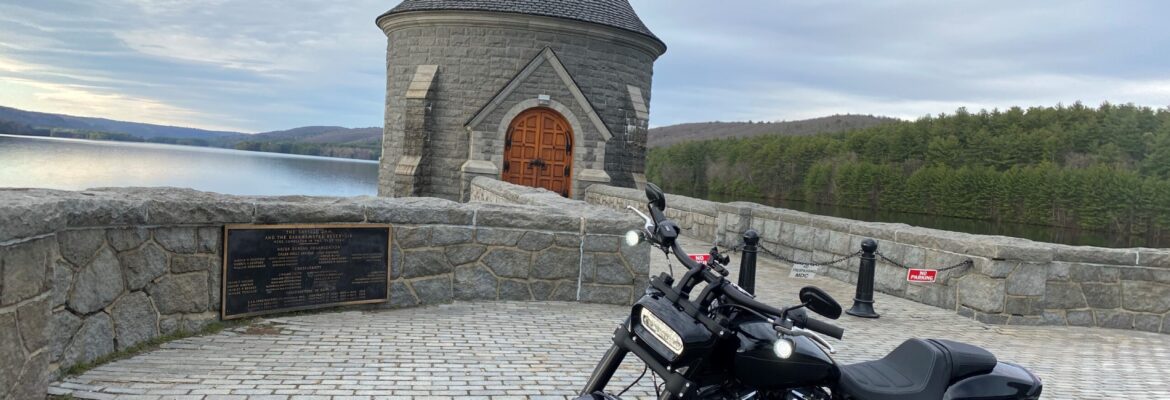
(655, 195)
(820, 302)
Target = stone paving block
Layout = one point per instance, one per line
(534, 349)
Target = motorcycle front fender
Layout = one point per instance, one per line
(598, 396)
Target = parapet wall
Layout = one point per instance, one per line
(698, 218)
(1013, 281)
(84, 274)
(600, 272)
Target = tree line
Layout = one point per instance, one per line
(355, 151)
(1103, 168)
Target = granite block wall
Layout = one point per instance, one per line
(1011, 281)
(85, 274)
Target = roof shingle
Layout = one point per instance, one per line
(614, 13)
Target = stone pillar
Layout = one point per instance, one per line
(472, 169)
(587, 178)
(637, 130)
(410, 171)
(24, 314)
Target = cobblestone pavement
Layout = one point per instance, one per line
(537, 350)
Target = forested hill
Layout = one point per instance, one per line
(330, 141)
(141, 130)
(1102, 168)
(668, 135)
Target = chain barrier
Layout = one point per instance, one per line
(810, 263)
(965, 263)
(736, 248)
(739, 246)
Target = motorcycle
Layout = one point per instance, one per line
(725, 344)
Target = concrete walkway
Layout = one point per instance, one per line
(536, 350)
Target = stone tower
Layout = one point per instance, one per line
(546, 93)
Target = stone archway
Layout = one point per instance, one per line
(538, 151)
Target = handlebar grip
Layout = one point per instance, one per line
(819, 326)
(746, 300)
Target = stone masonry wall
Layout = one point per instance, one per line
(1013, 281)
(85, 274)
(697, 218)
(476, 60)
(604, 274)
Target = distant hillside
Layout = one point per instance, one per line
(323, 134)
(329, 141)
(1103, 168)
(145, 131)
(668, 135)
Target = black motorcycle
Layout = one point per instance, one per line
(724, 344)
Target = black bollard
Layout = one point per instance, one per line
(863, 301)
(747, 262)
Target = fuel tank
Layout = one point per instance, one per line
(756, 362)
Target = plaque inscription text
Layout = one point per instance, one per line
(272, 268)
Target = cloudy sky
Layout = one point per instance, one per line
(260, 65)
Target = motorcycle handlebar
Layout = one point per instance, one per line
(732, 292)
(742, 298)
(746, 300)
(804, 321)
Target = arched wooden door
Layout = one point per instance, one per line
(538, 151)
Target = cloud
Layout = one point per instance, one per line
(85, 100)
(265, 64)
(252, 65)
(238, 52)
(786, 60)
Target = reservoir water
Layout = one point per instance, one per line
(74, 164)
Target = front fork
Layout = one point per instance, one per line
(623, 344)
(604, 371)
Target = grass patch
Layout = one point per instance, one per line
(152, 344)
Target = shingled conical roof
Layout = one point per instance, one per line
(614, 13)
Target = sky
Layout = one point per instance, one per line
(263, 65)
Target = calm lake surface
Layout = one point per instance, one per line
(74, 164)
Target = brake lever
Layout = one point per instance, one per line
(808, 334)
(649, 225)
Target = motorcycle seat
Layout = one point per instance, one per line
(916, 370)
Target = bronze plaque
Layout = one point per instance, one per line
(275, 268)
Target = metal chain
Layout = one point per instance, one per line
(736, 248)
(739, 246)
(809, 263)
(965, 263)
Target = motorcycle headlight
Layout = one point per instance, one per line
(661, 331)
(783, 348)
(633, 237)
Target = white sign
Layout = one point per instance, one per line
(802, 271)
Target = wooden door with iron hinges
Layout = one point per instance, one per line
(538, 151)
